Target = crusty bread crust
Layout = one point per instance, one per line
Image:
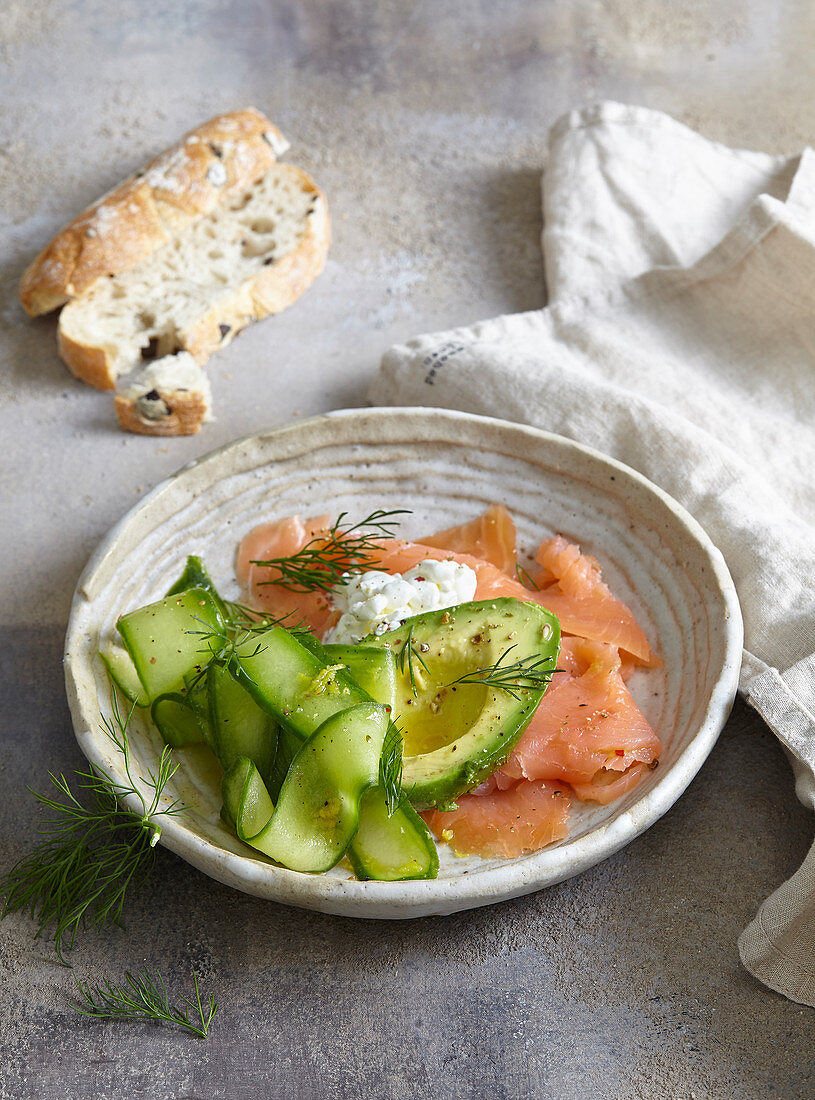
(87, 363)
(187, 410)
(273, 289)
(125, 226)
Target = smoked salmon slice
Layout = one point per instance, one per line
(286, 537)
(281, 539)
(490, 537)
(507, 823)
(585, 725)
(397, 556)
(583, 601)
(608, 786)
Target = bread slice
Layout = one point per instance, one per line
(170, 397)
(120, 230)
(250, 256)
(169, 266)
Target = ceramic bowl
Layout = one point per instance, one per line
(445, 467)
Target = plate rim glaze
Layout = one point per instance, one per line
(478, 886)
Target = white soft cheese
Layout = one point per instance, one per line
(375, 602)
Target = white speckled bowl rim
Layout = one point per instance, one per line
(471, 882)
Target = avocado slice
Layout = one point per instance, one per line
(457, 734)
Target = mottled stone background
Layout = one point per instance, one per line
(424, 121)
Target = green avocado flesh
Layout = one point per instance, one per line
(455, 735)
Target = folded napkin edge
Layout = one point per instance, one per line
(605, 111)
(762, 950)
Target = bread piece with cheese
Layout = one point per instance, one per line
(170, 397)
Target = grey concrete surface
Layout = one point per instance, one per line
(424, 121)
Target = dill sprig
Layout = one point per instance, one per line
(405, 658)
(144, 997)
(525, 578)
(528, 673)
(239, 617)
(78, 875)
(390, 767)
(326, 559)
(220, 645)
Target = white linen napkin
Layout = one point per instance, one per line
(679, 338)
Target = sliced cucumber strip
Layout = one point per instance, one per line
(392, 848)
(313, 644)
(166, 640)
(195, 686)
(196, 576)
(304, 684)
(256, 808)
(239, 726)
(176, 720)
(232, 786)
(291, 683)
(373, 669)
(288, 746)
(318, 810)
(123, 673)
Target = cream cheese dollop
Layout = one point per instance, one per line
(376, 602)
